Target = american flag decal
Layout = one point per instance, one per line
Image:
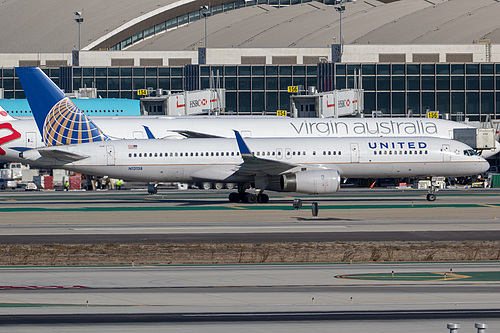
(132, 146)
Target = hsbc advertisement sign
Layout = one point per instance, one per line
(198, 103)
(192, 102)
(339, 102)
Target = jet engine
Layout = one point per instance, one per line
(311, 181)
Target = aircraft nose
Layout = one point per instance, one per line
(484, 165)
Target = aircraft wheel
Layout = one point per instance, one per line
(152, 189)
(206, 186)
(234, 197)
(219, 186)
(431, 197)
(250, 198)
(263, 198)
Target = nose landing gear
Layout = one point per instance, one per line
(431, 196)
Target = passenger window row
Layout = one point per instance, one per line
(216, 154)
(279, 153)
(295, 153)
(97, 111)
(87, 111)
(330, 153)
(178, 154)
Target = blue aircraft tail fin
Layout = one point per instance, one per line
(59, 120)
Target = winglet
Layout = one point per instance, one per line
(244, 150)
(148, 132)
(59, 120)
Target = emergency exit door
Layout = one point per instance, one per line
(110, 154)
(354, 153)
(446, 153)
(31, 139)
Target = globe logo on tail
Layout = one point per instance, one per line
(66, 124)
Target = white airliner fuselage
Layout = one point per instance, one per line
(220, 159)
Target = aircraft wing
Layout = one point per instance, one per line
(198, 135)
(61, 155)
(254, 165)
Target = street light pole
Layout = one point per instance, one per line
(341, 9)
(79, 20)
(205, 10)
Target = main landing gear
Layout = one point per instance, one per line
(245, 197)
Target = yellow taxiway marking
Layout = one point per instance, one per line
(453, 276)
(236, 207)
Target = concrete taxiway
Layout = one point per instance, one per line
(206, 215)
(348, 295)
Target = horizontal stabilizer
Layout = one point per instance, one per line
(20, 149)
(196, 135)
(61, 155)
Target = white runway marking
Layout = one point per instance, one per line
(301, 228)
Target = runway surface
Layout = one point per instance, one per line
(256, 298)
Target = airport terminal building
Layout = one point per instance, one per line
(413, 55)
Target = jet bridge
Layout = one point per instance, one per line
(477, 138)
(186, 103)
(330, 104)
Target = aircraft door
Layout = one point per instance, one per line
(31, 139)
(446, 153)
(354, 153)
(110, 155)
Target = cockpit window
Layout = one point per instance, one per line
(470, 152)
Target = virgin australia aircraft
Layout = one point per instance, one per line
(43, 94)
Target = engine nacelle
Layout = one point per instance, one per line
(311, 182)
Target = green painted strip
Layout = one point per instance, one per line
(493, 276)
(42, 305)
(33, 305)
(384, 263)
(247, 207)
